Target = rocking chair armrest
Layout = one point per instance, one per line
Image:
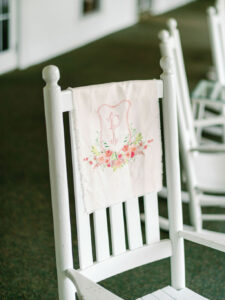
(209, 149)
(206, 238)
(87, 289)
(209, 122)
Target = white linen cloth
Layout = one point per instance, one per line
(118, 141)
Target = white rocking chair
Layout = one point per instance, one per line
(82, 282)
(204, 165)
(209, 96)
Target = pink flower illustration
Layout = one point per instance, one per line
(108, 153)
(132, 154)
(146, 146)
(101, 159)
(120, 156)
(127, 154)
(133, 149)
(125, 148)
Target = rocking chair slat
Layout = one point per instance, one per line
(117, 229)
(101, 235)
(133, 224)
(151, 218)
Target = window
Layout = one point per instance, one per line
(4, 25)
(90, 6)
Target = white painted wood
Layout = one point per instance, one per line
(169, 293)
(57, 102)
(210, 95)
(58, 178)
(184, 294)
(151, 216)
(215, 91)
(213, 217)
(164, 224)
(184, 195)
(194, 164)
(149, 297)
(173, 173)
(88, 289)
(216, 23)
(211, 178)
(217, 38)
(181, 79)
(209, 122)
(128, 260)
(101, 235)
(160, 295)
(169, 46)
(82, 218)
(66, 98)
(117, 229)
(133, 224)
(209, 200)
(206, 238)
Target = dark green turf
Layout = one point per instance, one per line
(27, 260)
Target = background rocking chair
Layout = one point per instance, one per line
(83, 281)
(203, 165)
(209, 95)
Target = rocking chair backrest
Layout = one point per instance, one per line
(171, 45)
(216, 21)
(123, 217)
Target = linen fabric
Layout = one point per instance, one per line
(118, 141)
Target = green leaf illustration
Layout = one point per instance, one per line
(138, 138)
(114, 156)
(95, 151)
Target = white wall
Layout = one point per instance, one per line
(161, 6)
(51, 27)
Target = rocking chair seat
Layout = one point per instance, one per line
(169, 293)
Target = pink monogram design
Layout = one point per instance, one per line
(118, 142)
(114, 124)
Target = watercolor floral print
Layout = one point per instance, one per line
(106, 158)
(110, 151)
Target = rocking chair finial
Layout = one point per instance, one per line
(51, 75)
(211, 10)
(164, 35)
(172, 24)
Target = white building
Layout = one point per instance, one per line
(32, 31)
